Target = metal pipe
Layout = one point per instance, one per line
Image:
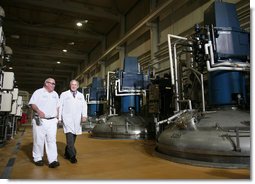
(169, 36)
(87, 97)
(172, 117)
(211, 66)
(96, 102)
(210, 69)
(108, 93)
(1, 41)
(119, 92)
(173, 66)
(202, 86)
(108, 84)
(117, 82)
(176, 80)
(209, 45)
(203, 92)
(232, 64)
(170, 59)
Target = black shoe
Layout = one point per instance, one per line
(39, 163)
(66, 156)
(73, 160)
(54, 164)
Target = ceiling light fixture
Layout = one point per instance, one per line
(64, 50)
(58, 62)
(80, 23)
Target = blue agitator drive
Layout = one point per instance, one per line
(231, 44)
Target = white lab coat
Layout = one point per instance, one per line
(71, 111)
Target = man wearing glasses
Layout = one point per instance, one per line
(45, 104)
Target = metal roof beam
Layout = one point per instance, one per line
(25, 62)
(43, 69)
(52, 30)
(72, 7)
(40, 75)
(47, 53)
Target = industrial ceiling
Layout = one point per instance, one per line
(39, 32)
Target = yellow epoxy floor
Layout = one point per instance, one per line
(103, 159)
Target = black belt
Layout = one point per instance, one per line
(45, 118)
(49, 118)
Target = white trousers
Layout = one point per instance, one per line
(45, 134)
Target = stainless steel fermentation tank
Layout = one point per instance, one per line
(125, 89)
(213, 77)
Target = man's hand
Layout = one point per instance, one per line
(38, 111)
(60, 123)
(41, 114)
(83, 119)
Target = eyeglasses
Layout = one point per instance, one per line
(52, 83)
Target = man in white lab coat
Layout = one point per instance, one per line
(45, 102)
(72, 111)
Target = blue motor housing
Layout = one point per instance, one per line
(130, 101)
(96, 95)
(131, 77)
(225, 86)
(97, 91)
(95, 109)
(221, 14)
(230, 42)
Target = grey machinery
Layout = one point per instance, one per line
(10, 102)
